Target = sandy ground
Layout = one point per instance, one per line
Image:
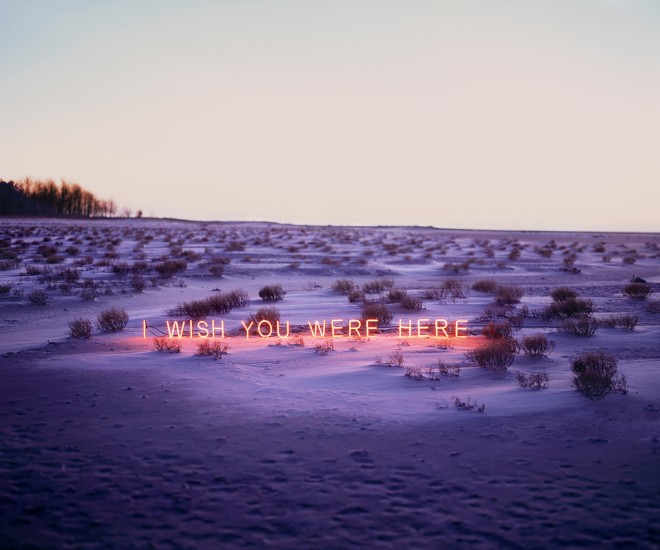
(107, 443)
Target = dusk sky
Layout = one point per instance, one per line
(516, 114)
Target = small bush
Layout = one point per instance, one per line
(272, 293)
(39, 297)
(211, 348)
(628, 322)
(395, 295)
(325, 347)
(121, 269)
(196, 309)
(6, 265)
(112, 320)
(468, 405)
(497, 355)
(453, 289)
(137, 283)
(355, 296)
(448, 370)
(653, 306)
(80, 328)
(414, 372)
(487, 286)
(563, 293)
(90, 290)
(495, 330)
(218, 303)
(411, 303)
(271, 314)
(376, 310)
(595, 374)
(638, 291)
(343, 286)
(570, 307)
(217, 270)
(532, 380)
(169, 268)
(395, 359)
(508, 295)
(377, 286)
(581, 326)
(537, 345)
(235, 246)
(238, 298)
(296, 340)
(5, 288)
(166, 344)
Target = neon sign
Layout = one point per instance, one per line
(324, 328)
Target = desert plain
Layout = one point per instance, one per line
(395, 439)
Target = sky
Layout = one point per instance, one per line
(478, 114)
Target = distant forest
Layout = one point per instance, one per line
(45, 198)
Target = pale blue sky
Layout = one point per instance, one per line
(515, 114)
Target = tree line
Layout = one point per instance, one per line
(30, 197)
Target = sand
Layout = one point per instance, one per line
(109, 443)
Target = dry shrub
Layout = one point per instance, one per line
(537, 345)
(638, 291)
(626, 321)
(296, 340)
(492, 313)
(272, 293)
(456, 267)
(414, 372)
(533, 380)
(219, 303)
(468, 404)
(5, 288)
(496, 330)
(376, 310)
(217, 270)
(137, 283)
(653, 306)
(563, 293)
(595, 374)
(271, 314)
(169, 268)
(32, 270)
(344, 286)
(325, 347)
(90, 290)
(377, 286)
(355, 296)
(212, 348)
(570, 307)
(508, 295)
(238, 298)
(112, 320)
(487, 286)
(166, 344)
(197, 309)
(121, 269)
(453, 289)
(395, 295)
(497, 355)
(6, 265)
(411, 303)
(395, 359)
(581, 326)
(80, 328)
(38, 297)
